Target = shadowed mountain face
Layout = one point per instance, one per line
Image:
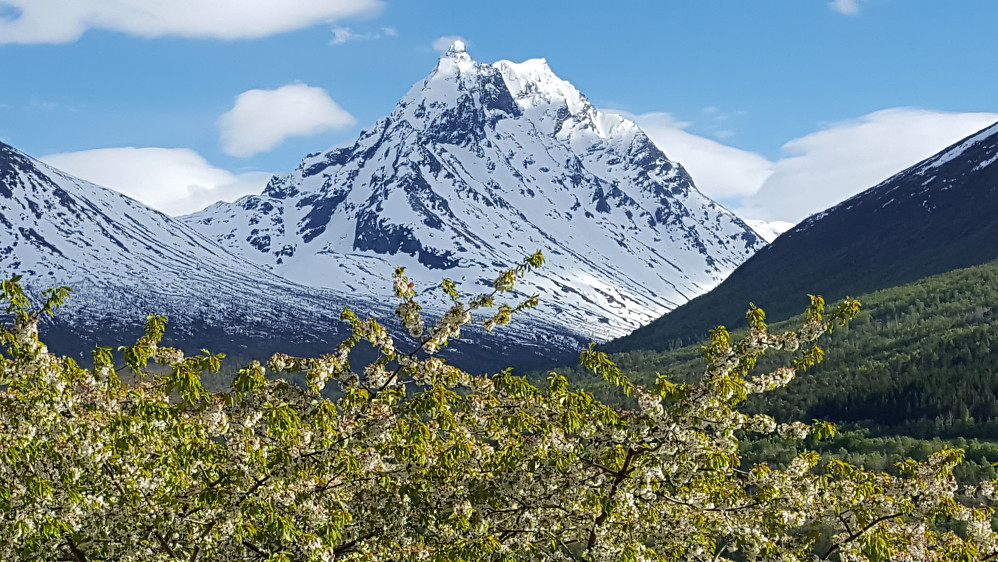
(478, 166)
(941, 214)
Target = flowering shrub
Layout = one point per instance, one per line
(419, 460)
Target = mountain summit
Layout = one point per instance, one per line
(478, 166)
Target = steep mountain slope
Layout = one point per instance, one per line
(124, 260)
(936, 216)
(478, 166)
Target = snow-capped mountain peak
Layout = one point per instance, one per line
(453, 64)
(458, 51)
(534, 85)
(477, 166)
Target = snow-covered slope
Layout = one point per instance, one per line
(478, 166)
(124, 260)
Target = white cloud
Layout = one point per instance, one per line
(721, 172)
(262, 119)
(172, 180)
(818, 170)
(718, 123)
(441, 44)
(61, 21)
(847, 7)
(769, 230)
(343, 34)
(824, 168)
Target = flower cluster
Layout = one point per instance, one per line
(408, 309)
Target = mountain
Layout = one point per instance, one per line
(478, 166)
(936, 216)
(124, 260)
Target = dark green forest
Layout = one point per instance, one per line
(915, 370)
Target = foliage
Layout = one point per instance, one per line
(922, 352)
(418, 460)
(880, 453)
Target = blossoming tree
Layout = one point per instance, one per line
(419, 460)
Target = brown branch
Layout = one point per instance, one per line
(604, 512)
(597, 465)
(510, 532)
(162, 541)
(835, 547)
(347, 547)
(566, 549)
(845, 521)
(255, 549)
(78, 554)
(256, 486)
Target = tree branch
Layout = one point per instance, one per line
(835, 547)
(78, 554)
(604, 513)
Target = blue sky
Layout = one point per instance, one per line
(778, 108)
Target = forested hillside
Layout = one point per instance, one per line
(913, 373)
(919, 356)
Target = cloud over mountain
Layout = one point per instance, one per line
(262, 119)
(816, 170)
(837, 162)
(175, 181)
(57, 21)
(441, 44)
(720, 171)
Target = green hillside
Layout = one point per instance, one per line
(917, 370)
(920, 357)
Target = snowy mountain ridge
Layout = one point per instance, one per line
(124, 260)
(478, 166)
